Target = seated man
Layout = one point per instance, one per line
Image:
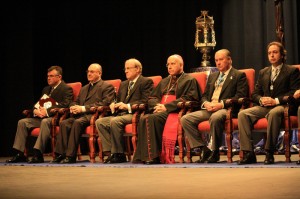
(225, 84)
(135, 90)
(58, 90)
(96, 93)
(274, 82)
(153, 141)
(297, 96)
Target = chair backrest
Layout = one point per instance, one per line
(156, 80)
(250, 74)
(297, 66)
(76, 86)
(115, 82)
(201, 78)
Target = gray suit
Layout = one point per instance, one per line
(111, 128)
(63, 94)
(234, 87)
(285, 84)
(70, 130)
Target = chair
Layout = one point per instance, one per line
(76, 86)
(91, 131)
(201, 78)
(230, 122)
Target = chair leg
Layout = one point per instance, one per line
(287, 146)
(229, 147)
(101, 155)
(92, 142)
(79, 157)
(188, 151)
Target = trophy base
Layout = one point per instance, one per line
(208, 69)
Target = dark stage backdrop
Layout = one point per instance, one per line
(74, 34)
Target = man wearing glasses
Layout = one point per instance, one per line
(62, 95)
(134, 90)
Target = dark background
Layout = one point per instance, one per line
(74, 34)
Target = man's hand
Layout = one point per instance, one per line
(159, 108)
(267, 101)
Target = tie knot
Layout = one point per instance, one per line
(131, 84)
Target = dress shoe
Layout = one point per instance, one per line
(298, 162)
(269, 158)
(153, 161)
(118, 158)
(68, 160)
(36, 159)
(58, 159)
(248, 158)
(214, 157)
(109, 158)
(205, 153)
(18, 158)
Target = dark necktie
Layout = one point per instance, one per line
(52, 88)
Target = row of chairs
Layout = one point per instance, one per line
(131, 135)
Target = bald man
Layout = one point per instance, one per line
(163, 100)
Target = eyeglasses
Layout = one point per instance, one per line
(170, 64)
(52, 76)
(127, 68)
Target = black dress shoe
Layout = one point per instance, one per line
(18, 158)
(153, 161)
(68, 160)
(214, 157)
(109, 158)
(269, 158)
(118, 158)
(249, 158)
(58, 159)
(298, 162)
(36, 159)
(205, 153)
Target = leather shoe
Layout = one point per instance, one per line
(58, 159)
(249, 158)
(153, 161)
(214, 157)
(298, 162)
(36, 159)
(18, 158)
(109, 158)
(68, 160)
(205, 153)
(269, 158)
(117, 158)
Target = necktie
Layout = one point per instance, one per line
(130, 86)
(52, 88)
(274, 75)
(220, 79)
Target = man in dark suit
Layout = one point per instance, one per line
(152, 139)
(96, 93)
(274, 82)
(135, 90)
(62, 94)
(225, 84)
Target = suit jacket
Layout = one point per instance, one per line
(234, 87)
(62, 94)
(187, 89)
(139, 93)
(101, 95)
(285, 84)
